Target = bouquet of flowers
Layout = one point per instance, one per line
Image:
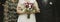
(29, 8)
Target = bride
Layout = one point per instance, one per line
(21, 10)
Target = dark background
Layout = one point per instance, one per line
(1, 10)
(49, 13)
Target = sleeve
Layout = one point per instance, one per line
(19, 10)
(36, 6)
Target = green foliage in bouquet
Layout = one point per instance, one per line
(30, 10)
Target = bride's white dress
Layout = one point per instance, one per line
(23, 17)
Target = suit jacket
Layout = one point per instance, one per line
(48, 11)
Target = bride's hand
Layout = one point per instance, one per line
(38, 11)
(20, 12)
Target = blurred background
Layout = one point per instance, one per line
(49, 11)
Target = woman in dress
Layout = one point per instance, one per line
(23, 16)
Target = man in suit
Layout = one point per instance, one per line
(47, 8)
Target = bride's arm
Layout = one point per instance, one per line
(19, 10)
(36, 6)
